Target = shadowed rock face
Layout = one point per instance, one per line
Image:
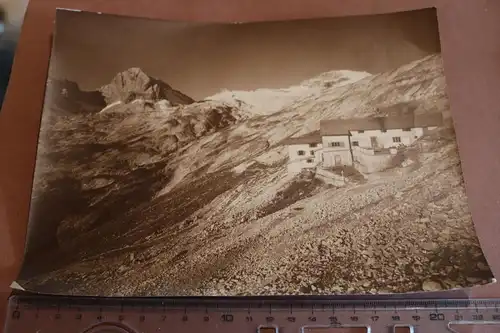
(135, 84)
(68, 98)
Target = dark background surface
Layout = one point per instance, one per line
(8, 41)
(471, 49)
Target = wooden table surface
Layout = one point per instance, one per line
(470, 42)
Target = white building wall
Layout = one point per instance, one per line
(384, 139)
(336, 151)
(418, 132)
(303, 156)
(363, 140)
(343, 139)
(367, 161)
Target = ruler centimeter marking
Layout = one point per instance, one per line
(66, 314)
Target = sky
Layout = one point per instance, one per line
(203, 59)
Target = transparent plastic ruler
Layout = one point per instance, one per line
(47, 314)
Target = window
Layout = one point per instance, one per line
(355, 143)
(312, 152)
(336, 144)
(301, 153)
(396, 139)
(309, 160)
(407, 129)
(383, 131)
(361, 131)
(313, 145)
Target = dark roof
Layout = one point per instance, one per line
(343, 126)
(313, 137)
(429, 119)
(406, 120)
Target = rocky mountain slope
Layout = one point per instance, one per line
(267, 101)
(162, 198)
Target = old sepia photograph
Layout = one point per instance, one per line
(301, 157)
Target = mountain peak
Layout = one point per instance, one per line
(134, 70)
(134, 83)
(132, 73)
